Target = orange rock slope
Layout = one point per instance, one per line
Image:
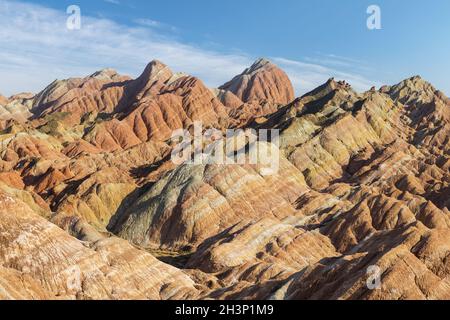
(92, 207)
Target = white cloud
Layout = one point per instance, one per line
(112, 1)
(36, 48)
(307, 75)
(148, 22)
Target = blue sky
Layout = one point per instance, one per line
(310, 40)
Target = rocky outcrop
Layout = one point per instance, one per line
(193, 203)
(70, 100)
(179, 104)
(15, 111)
(40, 261)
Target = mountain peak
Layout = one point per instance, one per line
(259, 64)
(156, 63)
(411, 90)
(156, 70)
(105, 74)
(329, 86)
(262, 81)
(414, 80)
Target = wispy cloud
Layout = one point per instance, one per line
(308, 75)
(117, 2)
(145, 22)
(148, 22)
(36, 48)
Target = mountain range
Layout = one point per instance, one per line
(92, 207)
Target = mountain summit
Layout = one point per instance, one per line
(263, 81)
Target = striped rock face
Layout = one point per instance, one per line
(92, 205)
(263, 81)
(41, 261)
(3, 100)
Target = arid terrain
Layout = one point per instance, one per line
(92, 207)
